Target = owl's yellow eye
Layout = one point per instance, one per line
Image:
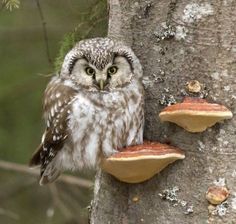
(90, 71)
(112, 70)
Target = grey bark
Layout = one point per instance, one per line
(177, 41)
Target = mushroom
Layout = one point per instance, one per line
(194, 86)
(135, 164)
(194, 114)
(217, 194)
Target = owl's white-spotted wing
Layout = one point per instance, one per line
(57, 106)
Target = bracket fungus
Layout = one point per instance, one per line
(194, 86)
(194, 114)
(217, 194)
(135, 164)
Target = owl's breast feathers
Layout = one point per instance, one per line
(95, 124)
(102, 123)
(57, 108)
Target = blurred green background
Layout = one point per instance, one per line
(26, 65)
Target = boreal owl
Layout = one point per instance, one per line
(92, 108)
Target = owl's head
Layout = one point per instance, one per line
(101, 64)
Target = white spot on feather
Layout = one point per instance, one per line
(52, 112)
(59, 103)
(43, 137)
(58, 95)
(55, 108)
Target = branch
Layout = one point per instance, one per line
(68, 179)
(45, 34)
(9, 214)
(58, 203)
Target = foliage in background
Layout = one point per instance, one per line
(11, 4)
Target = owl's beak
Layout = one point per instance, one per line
(101, 84)
(101, 81)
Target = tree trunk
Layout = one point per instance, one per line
(177, 41)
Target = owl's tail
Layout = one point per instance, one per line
(50, 173)
(35, 159)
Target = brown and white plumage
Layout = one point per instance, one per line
(92, 108)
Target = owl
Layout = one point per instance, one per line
(92, 108)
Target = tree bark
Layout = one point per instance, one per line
(177, 41)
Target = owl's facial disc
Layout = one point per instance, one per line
(115, 74)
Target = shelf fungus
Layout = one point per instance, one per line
(194, 86)
(194, 114)
(135, 164)
(217, 194)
